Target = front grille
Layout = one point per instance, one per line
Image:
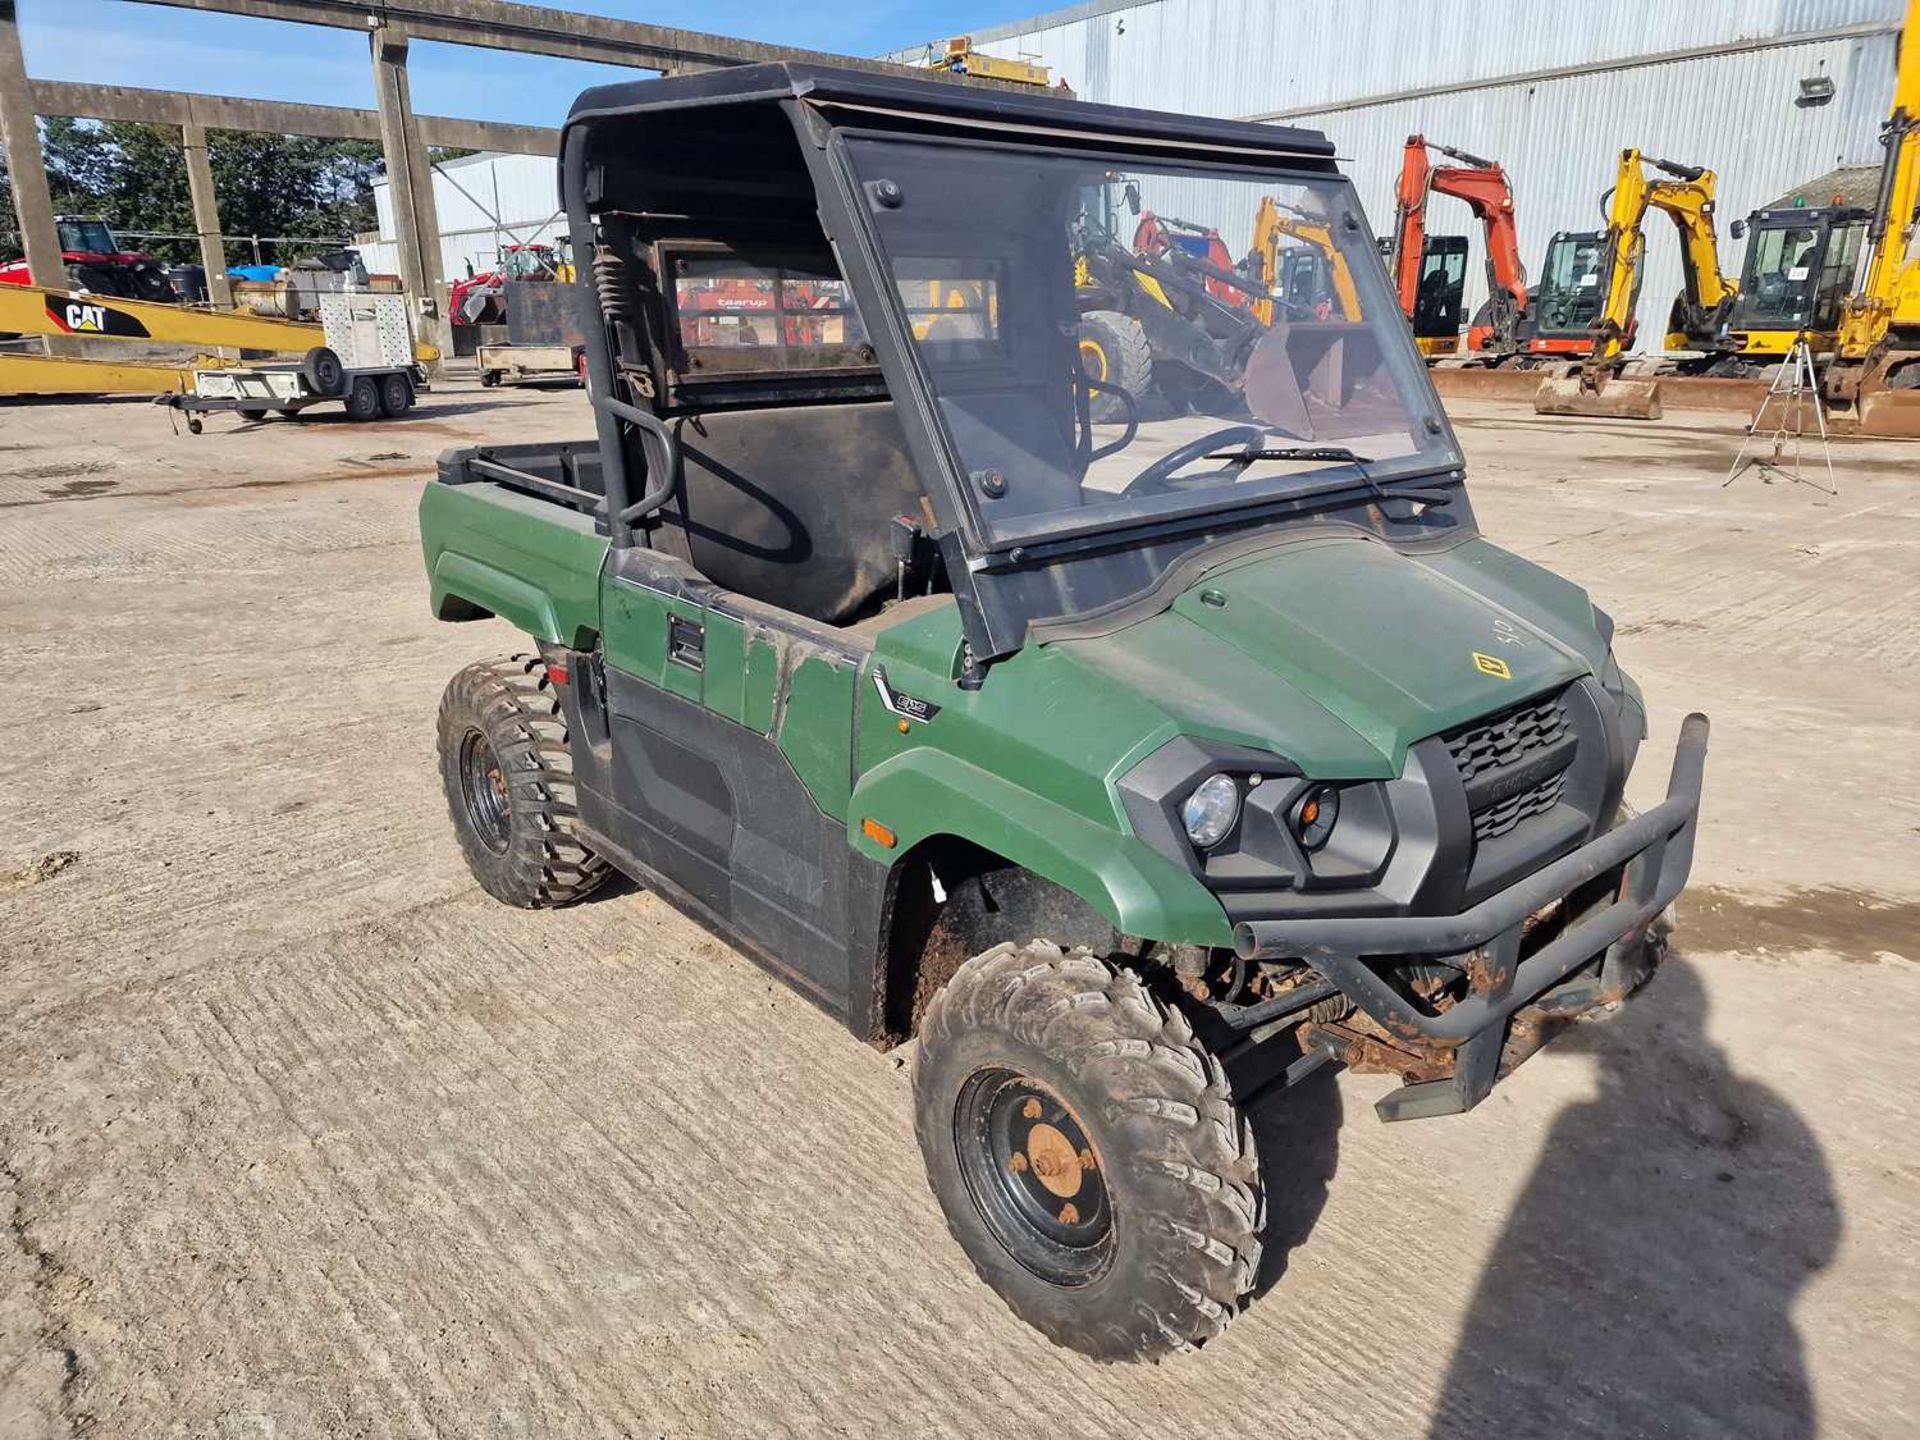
(1494, 744)
(1499, 818)
(1514, 749)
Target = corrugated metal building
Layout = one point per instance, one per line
(1552, 91)
(484, 202)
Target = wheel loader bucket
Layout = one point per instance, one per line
(1612, 399)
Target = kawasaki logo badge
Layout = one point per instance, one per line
(82, 317)
(907, 707)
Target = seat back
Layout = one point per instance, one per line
(794, 506)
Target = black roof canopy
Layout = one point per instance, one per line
(946, 104)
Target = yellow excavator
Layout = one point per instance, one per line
(1306, 277)
(1685, 194)
(1872, 383)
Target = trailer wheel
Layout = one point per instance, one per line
(489, 379)
(252, 414)
(1113, 349)
(1087, 1154)
(396, 395)
(363, 399)
(323, 372)
(507, 768)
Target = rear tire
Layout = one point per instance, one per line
(396, 395)
(363, 399)
(1113, 349)
(507, 768)
(1087, 1154)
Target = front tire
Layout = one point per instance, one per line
(1113, 349)
(1087, 1154)
(507, 769)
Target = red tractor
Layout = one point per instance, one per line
(96, 264)
(482, 299)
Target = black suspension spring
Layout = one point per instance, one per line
(613, 285)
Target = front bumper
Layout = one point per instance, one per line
(1656, 851)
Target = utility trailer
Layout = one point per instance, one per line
(367, 364)
(545, 335)
(513, 364)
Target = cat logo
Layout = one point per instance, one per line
(77, 316)
(1491, 665)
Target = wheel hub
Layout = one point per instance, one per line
(484, 788)
(1032, 1170)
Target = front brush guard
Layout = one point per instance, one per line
(1657, 850)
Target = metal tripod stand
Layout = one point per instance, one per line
(1793, 388)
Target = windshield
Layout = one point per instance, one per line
(1795, 275)
(1110, 345)
(91, 236)
(1570, 291)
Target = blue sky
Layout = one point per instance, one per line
(112, 43)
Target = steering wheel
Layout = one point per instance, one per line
(1159, 475)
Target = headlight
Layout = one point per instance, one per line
(1211, 810)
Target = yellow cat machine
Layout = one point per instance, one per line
(1685, 194)
(32, 310)
(1872, 384)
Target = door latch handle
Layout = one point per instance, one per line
(686, 643)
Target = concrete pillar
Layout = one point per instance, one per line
(26, 166)
(206, 215)
(416, 219)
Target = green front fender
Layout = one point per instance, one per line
(923, 793)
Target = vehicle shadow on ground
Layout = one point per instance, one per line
(1645, 1281)
(1296, 1131)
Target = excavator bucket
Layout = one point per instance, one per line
(1611, 398)
(1890, 412)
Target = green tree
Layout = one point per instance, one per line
(135, 177)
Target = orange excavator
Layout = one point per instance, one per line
(1429, 273)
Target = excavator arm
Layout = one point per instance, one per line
(1484, 186)
(1620, 270)
(1272, 223)
(1687, 200)
(1889, 294)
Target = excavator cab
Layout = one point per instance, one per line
(1800, 266)
(1437, 301)
(1571, 291)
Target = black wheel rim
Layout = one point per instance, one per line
(483, 786)
(1032, 1171)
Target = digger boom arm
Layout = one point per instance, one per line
(1269, 224)
(32, 310)
(1889, 294)
(1483, 185)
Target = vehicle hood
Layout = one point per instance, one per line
(1340, 652)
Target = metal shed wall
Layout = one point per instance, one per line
(1707, 82)
(522, 190)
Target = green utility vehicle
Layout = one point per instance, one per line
(1129, 765)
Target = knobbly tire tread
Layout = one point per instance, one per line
(513, 703)
(1178, 1157)
(1129, 358)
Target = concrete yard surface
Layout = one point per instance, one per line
(301, 1135)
